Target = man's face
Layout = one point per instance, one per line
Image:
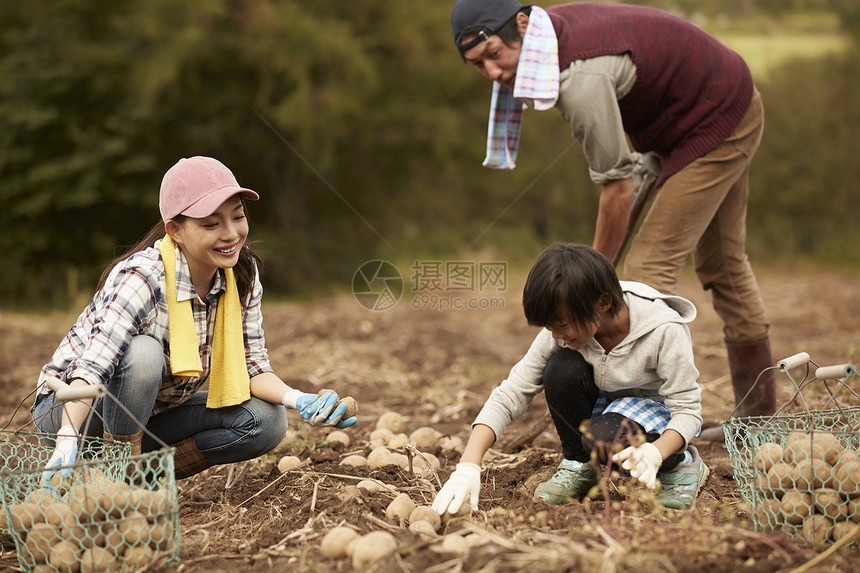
(495, 60)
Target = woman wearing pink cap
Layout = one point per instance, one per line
(180, 309)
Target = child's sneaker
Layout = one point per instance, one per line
(572, 479)
(680, 486)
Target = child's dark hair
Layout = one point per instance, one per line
(572, 278)
(244, 270)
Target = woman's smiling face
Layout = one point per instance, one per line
(213, 242)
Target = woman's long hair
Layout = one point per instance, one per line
(249, 261)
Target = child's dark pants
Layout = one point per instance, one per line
(571, 395)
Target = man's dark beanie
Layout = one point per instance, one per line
(489, 14)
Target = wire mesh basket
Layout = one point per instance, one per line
(108, 511)
(800, 472)
(111, 512)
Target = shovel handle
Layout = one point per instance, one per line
(650, 170)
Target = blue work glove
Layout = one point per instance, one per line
(348, 422)
(316, 410)
(65, 454)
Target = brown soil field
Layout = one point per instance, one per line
(435, 368)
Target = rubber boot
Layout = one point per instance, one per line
(748, 359)
(135, 477)
(188, 460)
(133, 439)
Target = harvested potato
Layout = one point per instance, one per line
(475, 540)
(464, 511)
(452, 443)
(398, 441)
(846, 529)
(83, 536)
(162, 501)
(372, 547)
(380, 437)
(41, 496)
(287, 463)
(848, 456)
(828, 445)
(351, 407)
(779, 477)
(59, 514)
(812, 473)
(400, 508)
(427, 461)
(820, 445)
(423, 528)
(854, 509)
(767, 455)
(816, 529)
(369, 485)
(24, 515)
(134, 528)
(84, 502)
(160, 533)
(338, 437)
(846, 477)
(767, 514)
(830, 502)
(65, 556)
(762, 484)
(336, 541)
(379, 457)
(796, 506)
(142, 500)
(351, 403)
(400, 460)
(40, 539)
(425, 513)
(138, 557)
(454, 543)
(424, 438)
(391, 421)
(112, 536)
(114, 498)
(354, 460)
(98, 560)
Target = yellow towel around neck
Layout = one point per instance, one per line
(229, 383)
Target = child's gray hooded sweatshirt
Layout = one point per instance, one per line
(655, 360)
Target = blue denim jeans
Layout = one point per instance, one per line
(223, 435)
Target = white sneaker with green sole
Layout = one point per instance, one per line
(572, 480)
(680, 486)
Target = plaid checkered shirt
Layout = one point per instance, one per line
(133, 303)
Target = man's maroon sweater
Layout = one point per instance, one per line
(691, 91)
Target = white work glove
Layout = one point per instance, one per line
(316, 410)
(464, 482)
(65, 454)
(642, 462)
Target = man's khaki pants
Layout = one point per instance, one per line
(702, 210)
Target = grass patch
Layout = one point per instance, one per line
(764, 52)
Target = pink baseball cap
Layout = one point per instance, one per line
(196, 187)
